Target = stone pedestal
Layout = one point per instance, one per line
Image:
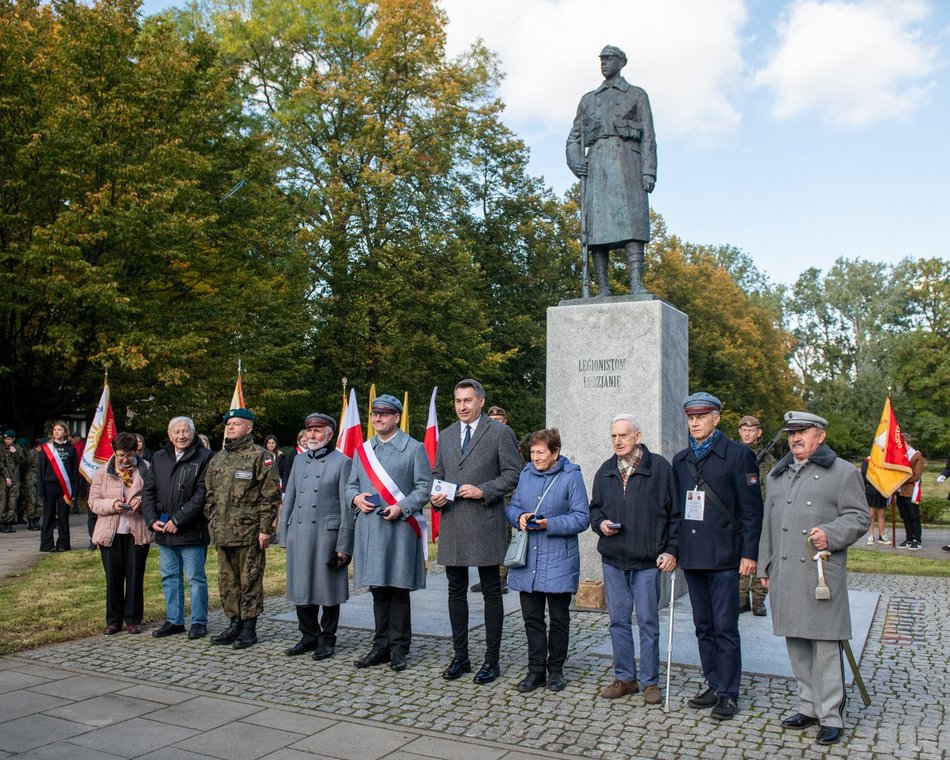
(606, 358)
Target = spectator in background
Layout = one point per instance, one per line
(878, 506)
(143, 451)
(908, 499)
(57, 476)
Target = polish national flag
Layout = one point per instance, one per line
(431, 442)
(351, 432)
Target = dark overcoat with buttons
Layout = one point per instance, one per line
(826, 493)
(474, 532)
(716, 542)
(315, 523)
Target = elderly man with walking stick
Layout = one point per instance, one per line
(635, 512)
(815, 509)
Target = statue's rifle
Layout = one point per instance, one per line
(585, 272)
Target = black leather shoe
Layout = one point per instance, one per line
(487, 673)
(167, 628)
(398, 662)
(301, 647)
(556, 682)
(701, 701)
(323, 652)
(725, 709)
(798, 721)
(759, 610)
(828, 735)
(375, 657)
(198, 631)
(457, 667)
(531, 682)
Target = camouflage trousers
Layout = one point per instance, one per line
(750, 584)
(29, 507)
(8, 500)
(241, 580)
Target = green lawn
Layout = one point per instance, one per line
(62, 597)
(896, 563)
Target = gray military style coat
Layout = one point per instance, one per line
(388, 552)
(827, 493)
(316, 522)
(474, 533)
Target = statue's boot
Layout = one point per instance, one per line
(634, 253)
(601, 258)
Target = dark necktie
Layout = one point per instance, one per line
(468, 438)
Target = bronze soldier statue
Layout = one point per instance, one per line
(612, 149)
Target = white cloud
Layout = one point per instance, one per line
(855, 62)
(685, 53)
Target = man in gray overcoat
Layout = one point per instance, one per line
(388, 487)
(815, 504)
(481, 457)
(612, 148)
(316, 527)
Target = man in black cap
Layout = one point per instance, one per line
(243, 496)
(816, 508)
(717, 484)
(612, 148)
(316, 526)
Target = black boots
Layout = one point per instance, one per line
(248, 635)
(229, 635)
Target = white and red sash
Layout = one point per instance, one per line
(389, 492)
(60, 469)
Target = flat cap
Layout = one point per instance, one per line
(701, 403)
(613, 50)
(803, 421)
(317, 419)
(244, 414)
(749, 421)
(387, 403)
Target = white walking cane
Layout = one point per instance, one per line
(669, 646)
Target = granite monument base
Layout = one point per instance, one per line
(609, 356)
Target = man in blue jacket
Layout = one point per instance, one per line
(717, 485)
(635, 511)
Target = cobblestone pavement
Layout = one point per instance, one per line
(904, 666)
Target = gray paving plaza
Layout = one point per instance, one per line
(136, 696)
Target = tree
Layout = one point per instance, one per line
(121, 246)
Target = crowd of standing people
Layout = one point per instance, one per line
(741, 526)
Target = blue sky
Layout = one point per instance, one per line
(798, 130)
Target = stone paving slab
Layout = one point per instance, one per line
(904, 666)
(134, 737)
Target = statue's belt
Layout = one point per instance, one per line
(625, 130)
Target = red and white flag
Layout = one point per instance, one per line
(98, 448)
(351, 432)
(888, 466)
(431, 443)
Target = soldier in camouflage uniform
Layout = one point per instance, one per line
(750, 431)
(241, 506)
(9, 482)
(29, 507)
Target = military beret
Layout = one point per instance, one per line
(316, 419)
(387, 403)
(9, 433)
(803, 421)
(244, 414)
(21, 441)
(497, 411)
(701, 403)
(613, 50)
(749, 421)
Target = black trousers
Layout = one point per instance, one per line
(393, 619)
(547, 648)
(317, 629)
(910, 516)
(458, 610)
(124, 563)
(55, 511)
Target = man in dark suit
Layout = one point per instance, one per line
(717, 484)
(481, 457)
